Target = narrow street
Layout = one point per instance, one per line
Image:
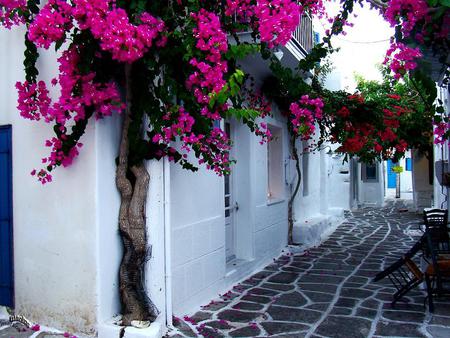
(328, 291)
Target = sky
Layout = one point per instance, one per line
(362, 48)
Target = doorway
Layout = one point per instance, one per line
(6, 261)
(230, 209)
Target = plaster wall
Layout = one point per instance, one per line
(338, 182)
(423, 190)
(371, 192)
(54, 226)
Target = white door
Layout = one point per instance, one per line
(230, 209)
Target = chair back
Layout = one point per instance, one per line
(436, 224)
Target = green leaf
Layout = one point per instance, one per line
(444, 3)
(243, 114)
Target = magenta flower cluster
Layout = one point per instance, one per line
(10, 12)
(51, 23)
(440, 131)
(277, 20)
(400, 59)
(304, 114)
(406, 12)
(35, 104)
(208, 75)
(126, 41)
(240, 8)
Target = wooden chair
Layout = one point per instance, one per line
(437, 273)
(404, 274)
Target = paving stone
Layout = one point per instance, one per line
(280, 287)
(367, 313)
(257, 299)
(246, 331)
(344, 311)
(262, 292)
(184, 328)
(438, 320)
(439, 331)
(385, 328)
(371, 303)
(355, 293)
(219, 324)
(248, 306)
(442, 309)
(319, 296)
(283, 278)
(318, 306)
(404, 316)
(313, 278)
(342, 327)
(404, 307)
(283, 327)
(301, 265)
(346, 302)
(238, 316)
(293, 315)
(293, 299)
(201, 316)
(320, 287)
(209, 332)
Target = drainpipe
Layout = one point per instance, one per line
(167, 242)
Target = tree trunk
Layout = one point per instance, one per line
(294, 194)
(132, 183)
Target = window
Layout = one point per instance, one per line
(275, 188)
(369, 172)
(408, 165)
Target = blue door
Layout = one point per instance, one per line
(391, 175)
(6, 266)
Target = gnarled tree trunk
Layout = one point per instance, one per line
(132, 183)
(295, 192)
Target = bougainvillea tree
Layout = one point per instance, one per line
(170, 69)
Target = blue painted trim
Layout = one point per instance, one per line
(408, 164)
(8, 294)
(391, 175)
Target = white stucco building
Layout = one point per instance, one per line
(207, 232)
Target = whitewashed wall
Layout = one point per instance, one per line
(198, 235)
(371, 193)
(199, 266)
(423, 190)
(55, 239)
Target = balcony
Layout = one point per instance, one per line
(302, 39)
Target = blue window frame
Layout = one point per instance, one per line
(408, 164)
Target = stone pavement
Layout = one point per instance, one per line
(327, 291)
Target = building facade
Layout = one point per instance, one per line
(60, 244)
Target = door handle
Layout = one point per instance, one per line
(236, 206)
